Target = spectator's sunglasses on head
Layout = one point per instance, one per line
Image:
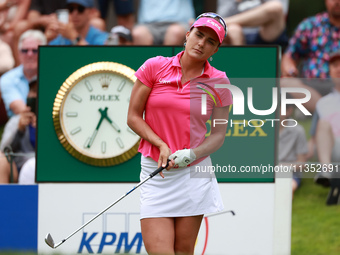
(25, 51)
(214, 15)
(77, 7)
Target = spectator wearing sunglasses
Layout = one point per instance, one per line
(42, 16)
(14, 84)
(79, 31)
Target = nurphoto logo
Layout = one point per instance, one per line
(239, 103)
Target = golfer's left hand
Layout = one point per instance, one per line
(183, 157)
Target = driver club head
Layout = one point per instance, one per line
(49, 240)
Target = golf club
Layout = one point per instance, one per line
(49, 240)
(219, 213)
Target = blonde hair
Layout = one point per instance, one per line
(36, 34)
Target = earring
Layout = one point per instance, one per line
(211, 58)
(185, 43)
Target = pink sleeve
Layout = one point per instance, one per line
(225, 94)
(146, 73)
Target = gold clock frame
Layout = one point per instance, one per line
(69, 83)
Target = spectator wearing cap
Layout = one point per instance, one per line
(325, 129)
(14, 84)
(79, 31)
(119, 35)
(42, 15)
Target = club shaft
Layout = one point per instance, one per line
(219, 213)
(115, 202)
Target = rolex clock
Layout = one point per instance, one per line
(90, 114)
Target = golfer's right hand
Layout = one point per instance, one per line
(164, 153)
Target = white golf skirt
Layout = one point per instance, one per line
(183, 191)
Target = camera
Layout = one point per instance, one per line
(32, 102)
(62, 15)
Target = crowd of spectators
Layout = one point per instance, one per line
(310, 59)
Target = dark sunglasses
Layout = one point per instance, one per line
(25, 51)
(214, 15)
(79, 8)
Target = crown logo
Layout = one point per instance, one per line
(105, 81)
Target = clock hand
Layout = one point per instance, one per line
(98, 125)
(114, 125)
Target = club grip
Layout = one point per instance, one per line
(159, 169)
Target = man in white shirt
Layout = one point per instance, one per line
(327, 123)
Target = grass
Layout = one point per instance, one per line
(315, 226)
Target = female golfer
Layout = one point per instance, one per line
(174, 202)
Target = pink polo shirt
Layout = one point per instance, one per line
(173, 110)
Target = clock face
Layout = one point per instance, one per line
(93, 114)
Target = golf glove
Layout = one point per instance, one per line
(183, 157)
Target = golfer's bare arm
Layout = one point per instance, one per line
(17, 106)
(135, 121)
(216, 139)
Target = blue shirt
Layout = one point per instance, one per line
(180, 11)
(94, 37)
(14, 86)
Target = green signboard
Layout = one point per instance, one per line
(246, 144)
